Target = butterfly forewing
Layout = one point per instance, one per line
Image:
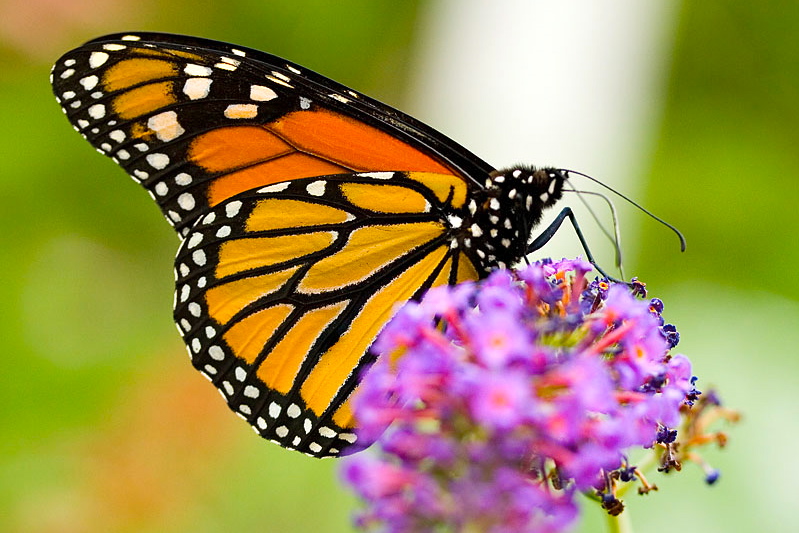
(197, 122)
(280, 292)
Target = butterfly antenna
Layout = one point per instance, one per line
(614, 191)
(616, 237)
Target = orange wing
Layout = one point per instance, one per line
(197, 121)
(281, 291)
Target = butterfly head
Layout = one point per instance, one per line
(506, 210)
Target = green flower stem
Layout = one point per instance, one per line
(620, 523)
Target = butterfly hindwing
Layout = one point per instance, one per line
(281, 291)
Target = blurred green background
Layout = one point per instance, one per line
(104, 425)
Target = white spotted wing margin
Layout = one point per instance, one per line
(146, 121)
(281, 291)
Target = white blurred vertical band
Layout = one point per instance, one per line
(576, 84)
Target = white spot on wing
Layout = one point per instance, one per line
(232, 209)
(97, 59)
(348, 437)
(261, 93)
(186, 201)
(279, 81)
(197, 70)
(97, 111)
(274, 410)
(230, 61)
(327, 432)
(89, 82)
(340, 98)
(197, 88)
(117, 135)
(158, 161)
(277, 187)
(194, 240)
(216, 353)
(166, 126)
(317, 188)
(238, 111)
(199, 258)
(377, 175)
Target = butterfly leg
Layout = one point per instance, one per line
(550, 231)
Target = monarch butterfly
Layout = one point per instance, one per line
(306, 212)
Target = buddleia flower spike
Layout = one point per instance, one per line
(496, 404)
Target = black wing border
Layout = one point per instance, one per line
(355, 104)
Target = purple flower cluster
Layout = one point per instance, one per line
(493, 403)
